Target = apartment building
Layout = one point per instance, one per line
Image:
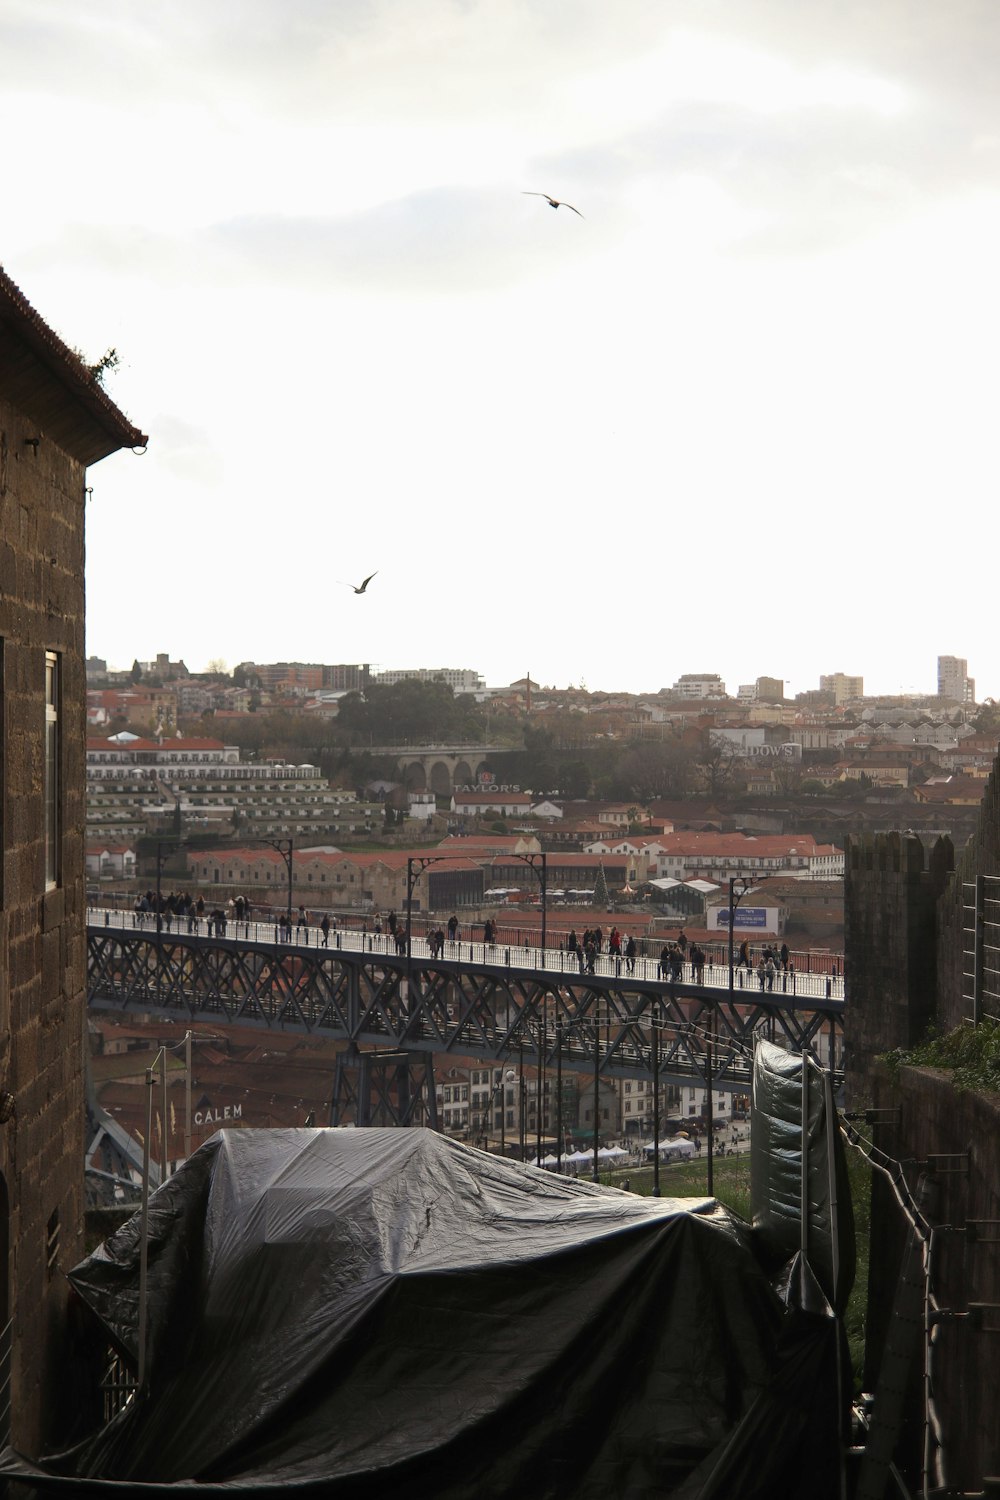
(953, 680)
(202, 785)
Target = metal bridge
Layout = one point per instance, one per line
(492, 1003)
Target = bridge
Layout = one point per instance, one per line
(438, 768)
(492, 1002)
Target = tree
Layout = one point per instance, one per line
(574, 779)
(717, 766)
(601, 897)
(653, 769)
(136, 673)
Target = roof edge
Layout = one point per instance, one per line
(66, 365)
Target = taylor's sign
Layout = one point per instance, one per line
(745, 916)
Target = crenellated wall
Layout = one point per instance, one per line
(892, 888)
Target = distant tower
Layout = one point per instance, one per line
(953, 681)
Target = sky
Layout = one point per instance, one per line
(739, 417)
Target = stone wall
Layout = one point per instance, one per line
(892, 886)
(933, 1121)
(42, 934)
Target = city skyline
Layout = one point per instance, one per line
(730, 402)
(382, 672)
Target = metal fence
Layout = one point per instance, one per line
(981, 947)
(118, 1385)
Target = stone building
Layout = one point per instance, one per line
(923, 955)
(55, 420)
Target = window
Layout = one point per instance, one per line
(53, 789)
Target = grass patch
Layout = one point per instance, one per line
(970, 1052)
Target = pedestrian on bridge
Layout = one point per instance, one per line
(325, 929)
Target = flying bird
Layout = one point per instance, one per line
(552, 202)
(359, 588)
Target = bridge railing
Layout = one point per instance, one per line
(747, 982)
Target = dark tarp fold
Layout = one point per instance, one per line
(369, 1312)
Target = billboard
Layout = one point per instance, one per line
(744, 916)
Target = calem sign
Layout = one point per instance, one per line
(211, 1116)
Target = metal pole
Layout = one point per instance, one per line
(597, 1085)
(710, 1181)
(559, 1098)
(541, 1075)
(503, 1111)
(831, 1170)
(520, 1096)
(544, 906)
(409, 929)
(144, 1240)
(804, 1179)
(656, 1107)
(187, 1095)
(163, 1128)
(732, 881)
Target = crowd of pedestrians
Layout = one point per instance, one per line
(680, 959)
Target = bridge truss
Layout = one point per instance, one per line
(396, 1015)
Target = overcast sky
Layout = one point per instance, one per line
(740, 417)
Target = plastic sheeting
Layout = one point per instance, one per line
(776, 1159)
(372, 1312)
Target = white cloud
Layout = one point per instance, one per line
(589, 447)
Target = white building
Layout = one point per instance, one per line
(699, 685)
(459, 679)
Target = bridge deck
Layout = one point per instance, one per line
(472, 1001)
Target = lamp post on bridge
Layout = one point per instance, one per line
(745, 885)
(286, 848)
(539, 865)
(655, 1048)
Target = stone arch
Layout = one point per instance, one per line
(463, 774)
(440, 779)
(415, 777)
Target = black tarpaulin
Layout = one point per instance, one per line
(372, 1312)
(776, 1163)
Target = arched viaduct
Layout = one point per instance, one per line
(439, 768)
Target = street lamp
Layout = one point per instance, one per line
(286, 848)
(559, 1098)
(538, 863)
(745, 885)
(542, 1042)
(656, 1099)
(735, 897)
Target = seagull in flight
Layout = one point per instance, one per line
(552, 202)
(359, 588)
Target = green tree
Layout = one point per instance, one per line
(601, 897)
